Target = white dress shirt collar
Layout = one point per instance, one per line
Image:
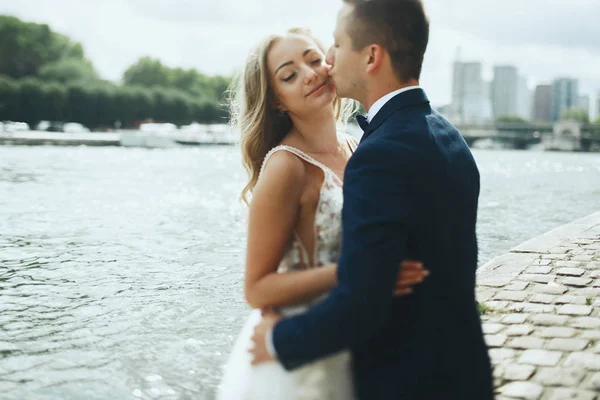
(378, 105)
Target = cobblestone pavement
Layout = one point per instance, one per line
(541, 315)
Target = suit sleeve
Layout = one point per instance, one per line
(375, 213)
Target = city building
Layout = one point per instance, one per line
(504, 91)
(542, 103)
(523, 99)
(470, 103)
(565, 95)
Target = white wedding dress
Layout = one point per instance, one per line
(326, 379)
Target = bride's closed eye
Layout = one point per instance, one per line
(289, 78)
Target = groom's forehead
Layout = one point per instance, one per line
(344, 15)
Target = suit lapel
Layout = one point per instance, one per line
(402, 100)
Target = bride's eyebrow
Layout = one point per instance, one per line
(285, 64)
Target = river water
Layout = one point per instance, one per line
(121, 269)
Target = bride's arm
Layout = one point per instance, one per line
(272, 218)
(293, 287)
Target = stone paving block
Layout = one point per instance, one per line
(537, 278)
(590, 334)
(491, 328)
(596, 284)
(594, 265)
(577, 272)
(522, 390)
(510, 295)
(589, 292)
(549, 319)
(570, 394)
(570, 299)
(571, 309)
(515, 319)
(567, 264)
(542, 262)
(552, 288)
(559, 376)
(526, 342)
(585, 322)
(592, 382)
(556, 256)
(485, 294)
(542, 298)
(495, 340)
(516, 285)
(596, 349)
(589, 361)
(532, 308)
(560, 250)
(501, 355)
(493, 282)
(518, 330)
(582, 257)
(555, 332)
(562, 344)
(539, 270)
(518, 372)
(596, 303)
(497, 305)
(576, 282)
(544, 358)
(595, 274)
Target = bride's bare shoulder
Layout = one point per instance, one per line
(282, 169)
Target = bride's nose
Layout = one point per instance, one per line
(310, 77)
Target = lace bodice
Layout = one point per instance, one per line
(328, 218)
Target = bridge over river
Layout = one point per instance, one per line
(562, 135)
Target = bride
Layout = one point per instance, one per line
(288, 112)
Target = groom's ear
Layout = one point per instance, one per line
(375, 57)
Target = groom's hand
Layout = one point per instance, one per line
(259, 352)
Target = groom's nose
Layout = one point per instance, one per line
(330, 59)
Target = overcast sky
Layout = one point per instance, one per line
(543, 38)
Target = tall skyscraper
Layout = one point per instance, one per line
(597, 116)
(505, 91)
(565, 95)
(469, 101)
(542, 103)
(584, 102)
(523, 99)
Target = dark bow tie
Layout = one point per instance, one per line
(362, 122)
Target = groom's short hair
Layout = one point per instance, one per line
(400, 26)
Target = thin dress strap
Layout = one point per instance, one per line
(305, 157)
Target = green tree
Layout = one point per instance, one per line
(133, 104)
(9, 98)
(68, 70)
(148, 72)
(26, 46)
(54, 99)
(576, 114)
(31, 101)
(597, 122)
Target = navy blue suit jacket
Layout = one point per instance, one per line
(410, 192)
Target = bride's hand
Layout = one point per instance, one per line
(411, 273)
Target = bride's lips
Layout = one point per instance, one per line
(316, 89)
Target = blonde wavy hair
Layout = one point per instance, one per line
(253, 112)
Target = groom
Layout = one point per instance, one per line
(410, 192)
